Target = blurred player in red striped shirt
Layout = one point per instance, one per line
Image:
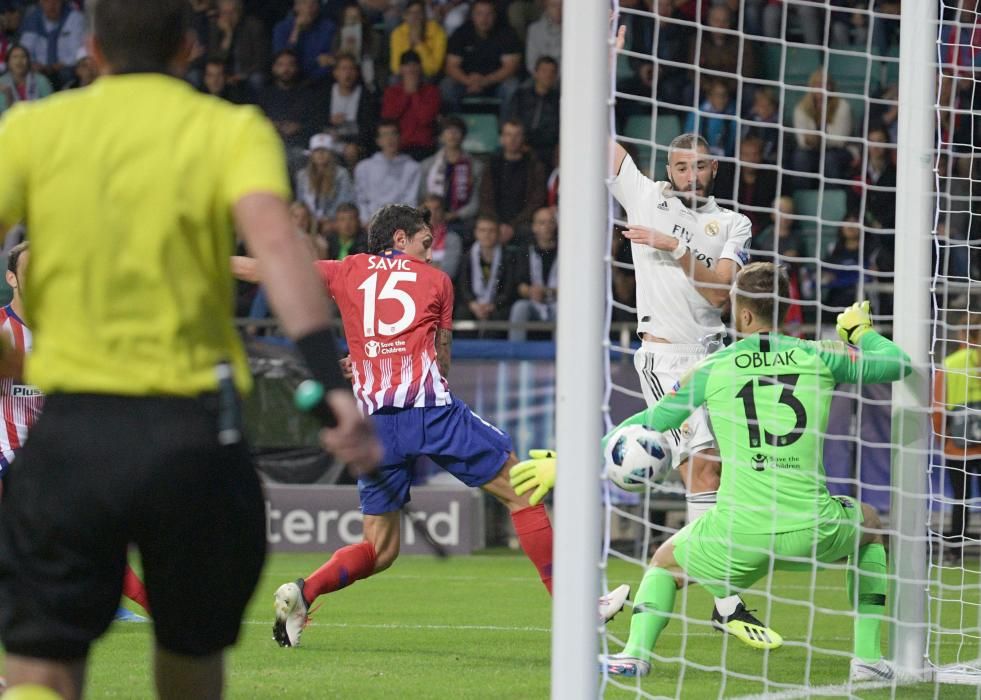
(20, 403)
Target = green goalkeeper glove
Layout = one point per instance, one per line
(854, 321)
(536, 473)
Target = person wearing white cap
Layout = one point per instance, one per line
(323, 185)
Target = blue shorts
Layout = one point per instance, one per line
(454, 437)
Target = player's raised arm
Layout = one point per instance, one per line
(618, 152)
(880, 359)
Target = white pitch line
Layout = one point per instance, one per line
(834, 691)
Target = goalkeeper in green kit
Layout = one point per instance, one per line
(768, 398)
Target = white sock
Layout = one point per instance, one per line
(698, 505)
(727, 606)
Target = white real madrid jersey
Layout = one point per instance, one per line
(668, 304)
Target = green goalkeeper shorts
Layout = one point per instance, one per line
(726, 562)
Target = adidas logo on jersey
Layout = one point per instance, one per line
(662, 205)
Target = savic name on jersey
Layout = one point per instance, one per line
(668, 305)
(391, 305)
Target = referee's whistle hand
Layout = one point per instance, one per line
(353, 439)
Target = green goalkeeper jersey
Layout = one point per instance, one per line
(767, 398)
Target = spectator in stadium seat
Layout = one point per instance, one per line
(53, 32)
(85, 72)
(822, 122)
(447, 246)
(661, 35)
(10, 20)
(348, 237)
(781, 242)
(306, 227)
(323, 185)
(423, 36)
(414, 104)
(240, 42)
(718, 132)
(755, 186)
(483, 59)
(536, 105)
(782, 236)
(352, 107)
(215, 83)
(21, 83)
(726, 52)
(359, 39)
(840, 284)
(539, 276)
(454, 175)
(309, 32)
(487, 286)
(387, 177)
(290, 105)
(878, 184)
(763, 122)
(545, 36)
(513, 187)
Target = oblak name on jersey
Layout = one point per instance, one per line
(391, 306)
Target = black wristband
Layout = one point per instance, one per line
(319, 351)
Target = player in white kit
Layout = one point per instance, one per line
(686, 251)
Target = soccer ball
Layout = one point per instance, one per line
(637, 456)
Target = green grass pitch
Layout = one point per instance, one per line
(478, 627)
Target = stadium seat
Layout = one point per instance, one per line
(801, 62)
(771, 57)
(849, 73)
(833, 208)
(668, 126)
(482, 132)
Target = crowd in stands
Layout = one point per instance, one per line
(375, 101)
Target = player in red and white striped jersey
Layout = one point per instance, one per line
(21, 404)
(397, 311)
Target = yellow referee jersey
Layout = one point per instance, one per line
(126, 188)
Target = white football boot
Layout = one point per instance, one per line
(291, 614)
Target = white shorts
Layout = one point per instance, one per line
(661, 366)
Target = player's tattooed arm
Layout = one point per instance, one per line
(444, 341)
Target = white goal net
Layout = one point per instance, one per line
(799, 103)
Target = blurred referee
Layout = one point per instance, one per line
(130, 189)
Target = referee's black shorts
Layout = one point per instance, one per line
(101, 472)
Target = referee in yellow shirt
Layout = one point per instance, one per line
(130, 189)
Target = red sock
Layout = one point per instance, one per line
(534, 532)
(134, 589)
(347, 565)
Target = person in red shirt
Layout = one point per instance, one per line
(414, 104)
(397, 311)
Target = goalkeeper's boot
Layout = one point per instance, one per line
(613, 602)
(627, 666)
(881, 670)
(744, 626)
(291, 614)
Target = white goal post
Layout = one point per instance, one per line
(585, 262)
